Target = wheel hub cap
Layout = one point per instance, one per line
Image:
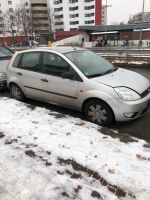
(97, 114)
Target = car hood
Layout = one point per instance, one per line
(123, 77)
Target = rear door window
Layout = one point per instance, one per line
(31, 61)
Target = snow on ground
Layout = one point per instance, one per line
(46, 155)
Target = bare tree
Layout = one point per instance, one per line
(11, 24)
(51, 19)
(24, 16)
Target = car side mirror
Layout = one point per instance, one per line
(68, 75)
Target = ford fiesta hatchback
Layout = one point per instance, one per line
(79, 79)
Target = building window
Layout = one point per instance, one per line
(58, 2)
(0, 12)
(26, 3)
(73, 29)
(9, 2)
(38, 5)
(89, 15)
(88, 0)
(59, 23)
(39, 11)
(73, 8)
(59, 29)
(58, 16)
(40, 18)
(89, 7)
(58, 9)
(73, 15)
(73, 1)
(10, 9)
(89, 22)
(74, 22)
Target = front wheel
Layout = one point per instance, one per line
(16, 92)
(98, 112)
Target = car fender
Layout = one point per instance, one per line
(16, 81)
(96, 94)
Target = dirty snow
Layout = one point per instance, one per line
(46, 155)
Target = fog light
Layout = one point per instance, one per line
(130, 115)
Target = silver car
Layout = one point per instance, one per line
(79, 79)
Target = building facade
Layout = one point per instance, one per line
(69, 14)
(39, 12)
(104, 15)
(137, 18)
(40, 16)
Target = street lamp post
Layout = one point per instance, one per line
(106, 7)
(142, 19)
(105, 18)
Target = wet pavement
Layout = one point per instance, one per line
(139, 128)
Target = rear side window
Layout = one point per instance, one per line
(17, 61)
(31, 61)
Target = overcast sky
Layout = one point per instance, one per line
(122, 9)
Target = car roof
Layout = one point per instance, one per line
(63, 49)
(60, 49)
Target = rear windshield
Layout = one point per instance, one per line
(5, 53)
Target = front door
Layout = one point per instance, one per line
(54, 87)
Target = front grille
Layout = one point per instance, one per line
(145, 93)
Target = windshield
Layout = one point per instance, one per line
(4, 52)
(89, 63)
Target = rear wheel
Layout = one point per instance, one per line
(98, 112)
(16, 92)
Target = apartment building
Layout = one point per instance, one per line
(137, 18)
(40, 16)
(69, 14)
(39, 9)
(6, 5)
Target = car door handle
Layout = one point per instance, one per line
(19, 73)
(44, 80)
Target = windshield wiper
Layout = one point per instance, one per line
(110, 70)
(94, 75)
(101, 74)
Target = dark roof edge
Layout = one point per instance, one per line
(114, 27)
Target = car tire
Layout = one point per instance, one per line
(98, 112)
(16, 92)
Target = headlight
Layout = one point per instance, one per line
(127, 94)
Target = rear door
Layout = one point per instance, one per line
(54, 87)
(29, 74)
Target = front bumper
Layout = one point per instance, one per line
(129, 110)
